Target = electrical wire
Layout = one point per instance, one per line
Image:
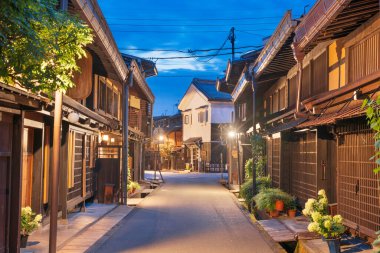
(185, 51)
(189, 57)
(190, 25)
(194, 31)
(194, 19)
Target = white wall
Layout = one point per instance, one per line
(189, 104)
(218, 112)
(221, 112)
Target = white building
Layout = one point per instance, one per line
(204, 110)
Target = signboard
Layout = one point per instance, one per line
(234, 154)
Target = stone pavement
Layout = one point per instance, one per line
(189, 213)
(39, 240)
(92, 234)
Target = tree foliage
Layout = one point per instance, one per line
(373, 117)
(39, 45)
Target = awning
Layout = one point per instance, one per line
(284, 126)
(193, 140)
(332, 118)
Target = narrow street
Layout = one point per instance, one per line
(189, 213)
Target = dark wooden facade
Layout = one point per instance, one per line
(316, 131)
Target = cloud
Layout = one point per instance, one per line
(168, 65)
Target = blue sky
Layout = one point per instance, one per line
(190, 25)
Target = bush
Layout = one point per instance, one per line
(246, 188)
(29, 221)
(266, 198)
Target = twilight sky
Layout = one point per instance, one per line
(157, 29)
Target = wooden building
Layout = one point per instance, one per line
(317, 134)
(205, 110)
(170, 127)
(91, 129)
(237, 82)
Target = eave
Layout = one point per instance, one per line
(331, 19)
(141, 82)
(279, 41)
(104, 43)
(241, 85)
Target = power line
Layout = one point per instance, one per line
(194, 19)
(187, 57)
(204, 31)
(191, 25)
(185, 51)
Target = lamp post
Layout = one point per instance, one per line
(234, 135)
(160, 140)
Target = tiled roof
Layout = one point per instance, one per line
(208, 88)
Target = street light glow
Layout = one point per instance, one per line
(231, 134)
(161, 138)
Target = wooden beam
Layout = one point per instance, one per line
(20, 99)
(16, 182)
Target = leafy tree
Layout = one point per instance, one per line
(373, 117)
(39, 45)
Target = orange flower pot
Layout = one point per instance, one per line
(292, 213)
(279, 205)
(274, 213)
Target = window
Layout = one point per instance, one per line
(108, 97)
(306, 82)
(292, 91)
(71, 160)
(243, 112)
(319, 83)
(186, 119)
(275, 102)
(203, 116)
(282, 94)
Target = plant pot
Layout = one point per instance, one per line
(333, 244)
(279, 205)
(292, 213)
(23, 241)
(274, 213)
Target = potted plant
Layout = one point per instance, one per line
(329, 227)
(266, 200)
(133, 186)
(279, 205)
(291, 206)
(29, 222)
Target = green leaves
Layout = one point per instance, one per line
(39, 45)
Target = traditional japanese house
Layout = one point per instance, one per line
(325, 142)
(170, 127)
(204, 111)
(141, 100)
(237, 83)
(91, 111)
(275, 91)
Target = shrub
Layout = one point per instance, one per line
(29, 221)
(320, 222)
(246, 188)
(266, 198)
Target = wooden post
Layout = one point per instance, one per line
(55, 172)
(254, 90)
(16, 179)
(124, 162)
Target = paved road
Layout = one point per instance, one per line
(189, 213)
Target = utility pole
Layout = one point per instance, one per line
(232, 38)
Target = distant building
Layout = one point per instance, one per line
(172, 149)
(204, 111)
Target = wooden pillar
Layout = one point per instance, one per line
(64, 153)
(16, 183)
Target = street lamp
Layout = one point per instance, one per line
(232, 134)
(160, 140)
